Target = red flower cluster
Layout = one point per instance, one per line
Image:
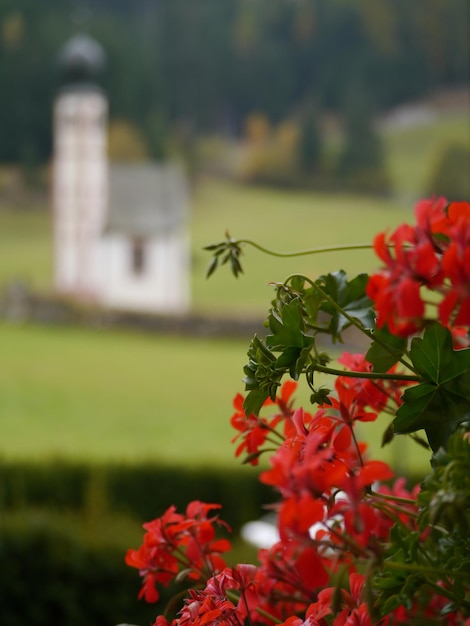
(320, 460)
(255, 430)
(328, 519)
(175, 542)
(334, 513)
(433, 255)
(212, 606)
(354, 613)
(376, 394)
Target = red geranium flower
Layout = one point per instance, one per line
(435, 254)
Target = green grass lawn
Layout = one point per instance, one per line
(78, 393)
(26, 246)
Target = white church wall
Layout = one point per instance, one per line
(161, 286)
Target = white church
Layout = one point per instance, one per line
(121, 235)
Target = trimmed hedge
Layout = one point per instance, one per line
(50, 575)
(143, 491)
(65, 528)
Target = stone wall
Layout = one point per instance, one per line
(19, 304)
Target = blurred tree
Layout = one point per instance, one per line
(29, 40)
(257, 128)
(361, 164)
(310, 144)
(125, 142)
(450, 176)
(209, 64)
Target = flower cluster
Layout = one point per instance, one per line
(176, 542)
(432, 255)
(356, 546)
(330, 519)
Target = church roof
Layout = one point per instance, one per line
(81, 61)
(146, 199)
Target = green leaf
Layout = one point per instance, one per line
(434, 357)
(442, 400)
(293, 359)
(351, 297)
(288, 359)
(288, 327)
(385, 350)
(254, 401)
(312, 300)
(262, 376)
(215, 246)
(321, 396)
(212, 266)
(298, 283)
(231, 251)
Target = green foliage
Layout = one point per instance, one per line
(301, 311)
(68, 568)
(425, 555)
(310, 144)
(414, 564)
(49, 575)
(411, 151)
(225, 252)
(262, 378)
(270, 58)
(126, 143)
(344, 301)
(304, 309)
(450, 176)
(124, 489)
(437, 404)
(440, 402)
(362, 166)
(65, 528)
(385, 350)
(273, 160)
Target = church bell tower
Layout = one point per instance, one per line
(80, 170)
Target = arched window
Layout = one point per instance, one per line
(138, 258)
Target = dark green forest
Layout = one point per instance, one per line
(203, 66)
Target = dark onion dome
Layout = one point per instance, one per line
(81, 61)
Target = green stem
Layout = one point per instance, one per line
(372, 375)
(391, 509)
(268, 615)
(360, 246)
(386, 496)
(356, 443)
(442, 592)
(272, 430)
(410, 567)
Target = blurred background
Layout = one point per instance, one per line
(210, 81)
(295, 123)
